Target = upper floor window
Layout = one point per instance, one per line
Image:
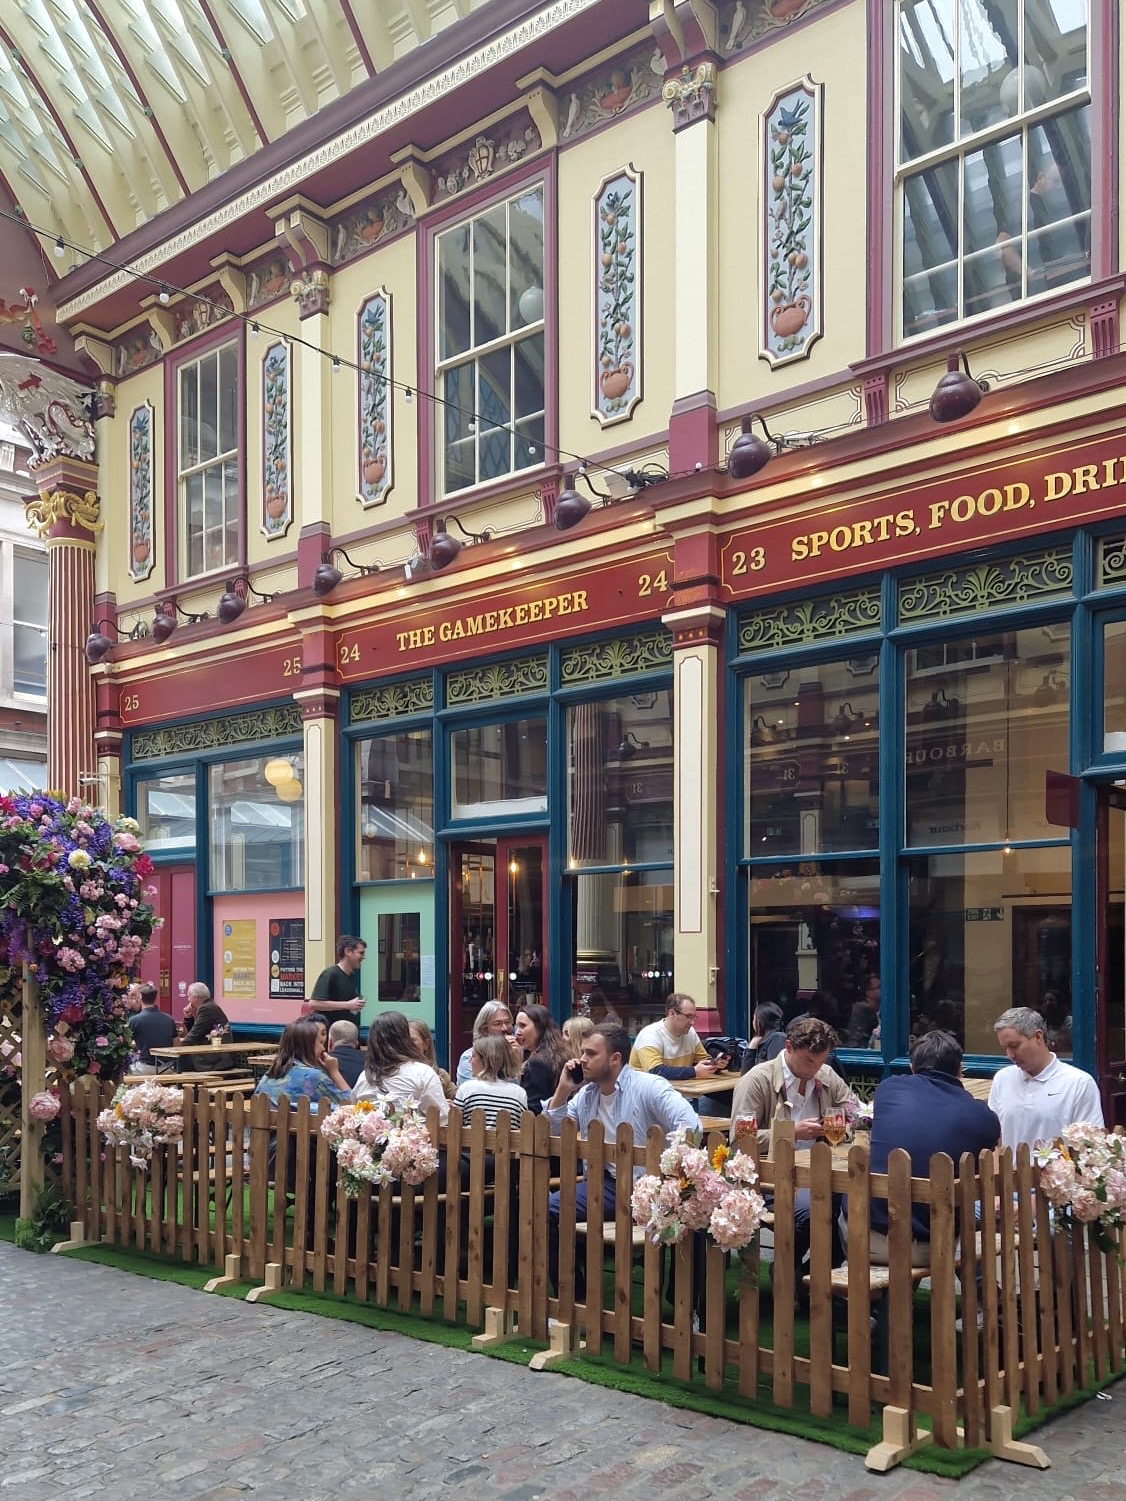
(208, 462)
(29, 623)
(994, 154)
(490, 342)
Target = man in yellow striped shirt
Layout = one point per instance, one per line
(672, 1048)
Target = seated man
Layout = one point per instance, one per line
(343, 1040)
(151, 1028)
(798, 1086)
(603, 1086)
(1039, 1095)
(925, 1112)
(202, 1017)
(672, 1048)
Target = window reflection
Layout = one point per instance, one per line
(989, 930)
(987, 717)
(499, 769)
(166, 812)
(395, 774)
(620, 780)
(622, 963)
(815, 944)
(812, 759)
(257, 822)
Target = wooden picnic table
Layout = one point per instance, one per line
(209, 1050)
(695, 1089)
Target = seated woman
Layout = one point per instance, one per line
(545, 1051)
(493, 1087)
(304, 1068)
(424, 1045)
(394, 1072)
(575, 1031)
(494, 1017)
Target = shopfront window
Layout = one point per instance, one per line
(814, 933)
(623, 958)
(257, 821)
(499, 769)
(1114, 687)
(166, 813)
(395, 775)
(986, 718)
(812, 759)
(620, 780)
(990, 929)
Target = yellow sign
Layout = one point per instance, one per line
(240, 957)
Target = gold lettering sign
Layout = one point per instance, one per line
(494, 622)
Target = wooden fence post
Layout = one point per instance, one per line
(33, 1074)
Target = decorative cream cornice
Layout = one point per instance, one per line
(46, 511)
(290, 178)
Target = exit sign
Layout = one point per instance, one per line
(985, 914)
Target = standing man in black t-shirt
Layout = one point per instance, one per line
(151, 1029)
(337, 988)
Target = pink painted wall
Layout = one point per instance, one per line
(259, 908)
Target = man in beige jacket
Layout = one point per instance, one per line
(798, 1086)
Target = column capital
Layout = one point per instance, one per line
(700, 625)
(311, 292)
(319, 702)
(690, 93)
(65, 514)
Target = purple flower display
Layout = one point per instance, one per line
(74, 907)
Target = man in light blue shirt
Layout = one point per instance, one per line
(610, 1091)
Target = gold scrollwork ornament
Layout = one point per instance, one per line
(46, 511)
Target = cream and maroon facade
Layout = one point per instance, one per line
(756, 737)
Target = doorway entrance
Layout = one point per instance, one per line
(498, 928)
(169, 962)
(1110, 973)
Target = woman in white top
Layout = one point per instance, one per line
(393, 1070)
(493, 1087)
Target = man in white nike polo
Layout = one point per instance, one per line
(1038, 1095)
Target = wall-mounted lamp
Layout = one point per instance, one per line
(98, 644)
(629, 745)
(570, 506)
(168, 616)
(326, 577)
(750, 453)
(444, 548)
(232, 602)
(957, 392)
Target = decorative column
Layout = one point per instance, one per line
(687, 34)
(67, 516)
(697, 795)
(319, 698)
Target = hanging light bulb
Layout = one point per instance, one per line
(408, 396)
(277, 771)
(60, 248)
(164, 294)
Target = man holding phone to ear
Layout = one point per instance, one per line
(601, 1085)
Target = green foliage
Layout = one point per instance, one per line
(48, 1223)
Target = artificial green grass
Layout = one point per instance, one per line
(598, 1370)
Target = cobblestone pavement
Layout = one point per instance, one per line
(112, 1382)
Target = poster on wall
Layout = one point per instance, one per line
(287, 958)
(240, 969)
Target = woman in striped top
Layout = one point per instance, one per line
(493, 1087)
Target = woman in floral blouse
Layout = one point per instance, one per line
(303, 1067)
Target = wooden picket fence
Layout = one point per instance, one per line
(1013, 1318)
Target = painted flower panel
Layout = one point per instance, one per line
(141, 548)
(617, 272)
(277, 482)
(374, 347)
(791, 197)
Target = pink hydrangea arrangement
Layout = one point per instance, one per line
(1083, 1174)
(695, 1191)
(375, 1144)
(143, 1117)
